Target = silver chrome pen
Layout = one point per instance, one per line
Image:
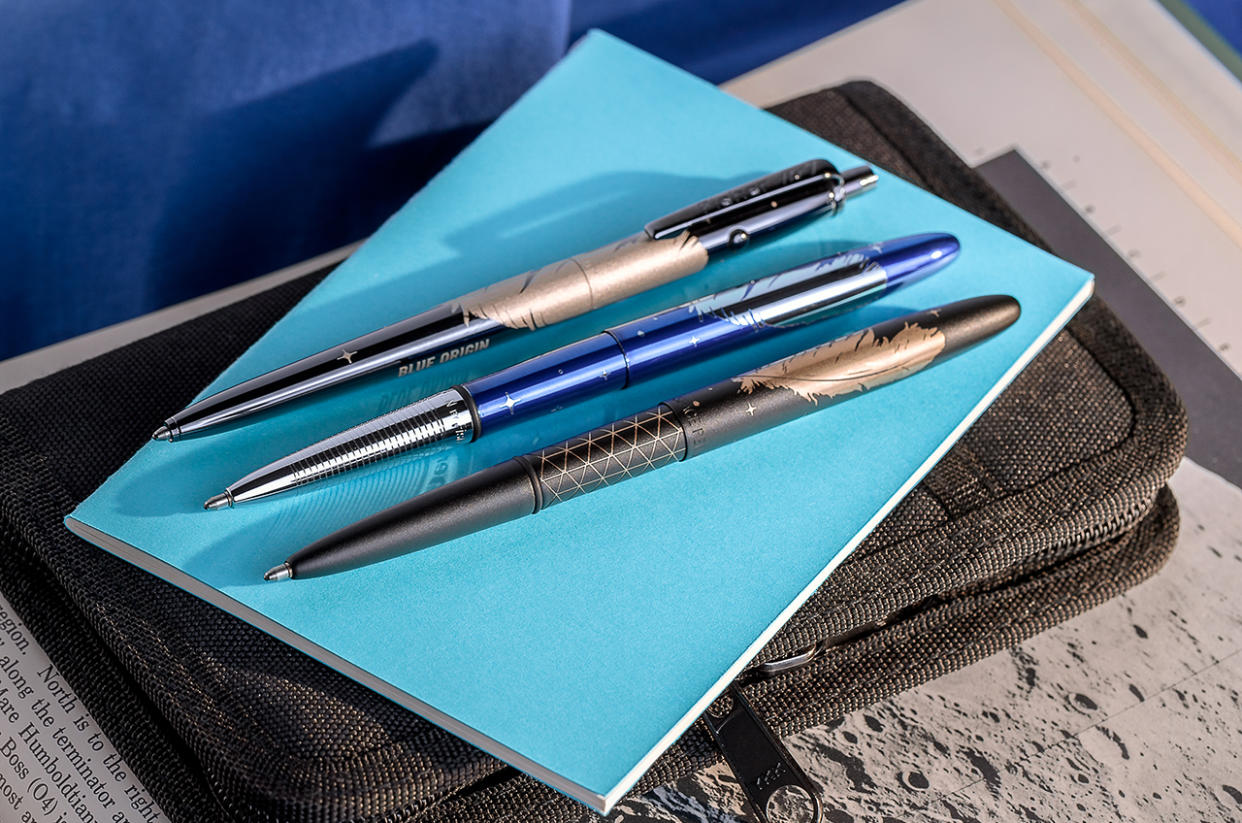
(667, 249)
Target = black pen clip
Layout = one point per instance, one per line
(729, 219)
(757, 757)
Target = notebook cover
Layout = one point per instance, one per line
(578, 644)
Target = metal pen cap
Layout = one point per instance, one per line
(730, 219)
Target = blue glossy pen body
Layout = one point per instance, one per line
(662, 342)
(566, 375)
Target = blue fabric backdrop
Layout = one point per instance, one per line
(1225, 18)
(150, 152)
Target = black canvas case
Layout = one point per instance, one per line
(1053, 502)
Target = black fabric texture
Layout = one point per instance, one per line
(1053, 502)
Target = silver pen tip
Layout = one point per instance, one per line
(219, 501)
(282, 572)
(162, 433)
(858, 180)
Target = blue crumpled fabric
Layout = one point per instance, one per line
(151, 152)
(155, 151)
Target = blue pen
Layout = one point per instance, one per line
(612, 360)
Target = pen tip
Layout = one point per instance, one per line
(219, 501)
(282, 572)
(162, 433)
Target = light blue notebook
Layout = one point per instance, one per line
(579, 643)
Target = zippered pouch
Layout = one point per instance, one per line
(1053, 502)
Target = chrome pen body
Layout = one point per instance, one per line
(667, 249)
(672, 431)
(610, 361)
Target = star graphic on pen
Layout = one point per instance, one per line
(509, 403)
(694, 341)
(347, 356)
(750, 409)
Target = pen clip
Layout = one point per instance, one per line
(769, 775)
(729, 219)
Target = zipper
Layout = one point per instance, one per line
(1113, 528)
(771, 779)
(1093, 536)
(754, 753)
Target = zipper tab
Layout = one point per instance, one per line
(758, 759)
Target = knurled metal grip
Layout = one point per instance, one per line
(568, 288)
(438, 417)
(612, 453)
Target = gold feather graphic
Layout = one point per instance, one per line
(852, 363)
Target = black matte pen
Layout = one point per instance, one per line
(673, 431)
(667, 249)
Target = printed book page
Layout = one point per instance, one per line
(56, 766)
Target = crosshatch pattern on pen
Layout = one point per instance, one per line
(610, 454)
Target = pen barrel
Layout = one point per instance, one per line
(663, 252)
(585, 282)
(545, 383)
(805, 294)
(796, 386)
(435, 336)
(609, 454)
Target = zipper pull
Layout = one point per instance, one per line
(760, 762)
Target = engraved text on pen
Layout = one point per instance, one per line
(443, 357)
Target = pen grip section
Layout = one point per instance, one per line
(479, 501)
(609, 454)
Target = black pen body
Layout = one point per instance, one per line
(672, 431)
(471, 323)
(481, 500)
(515, 488)
(667, 249)
(436, 336)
